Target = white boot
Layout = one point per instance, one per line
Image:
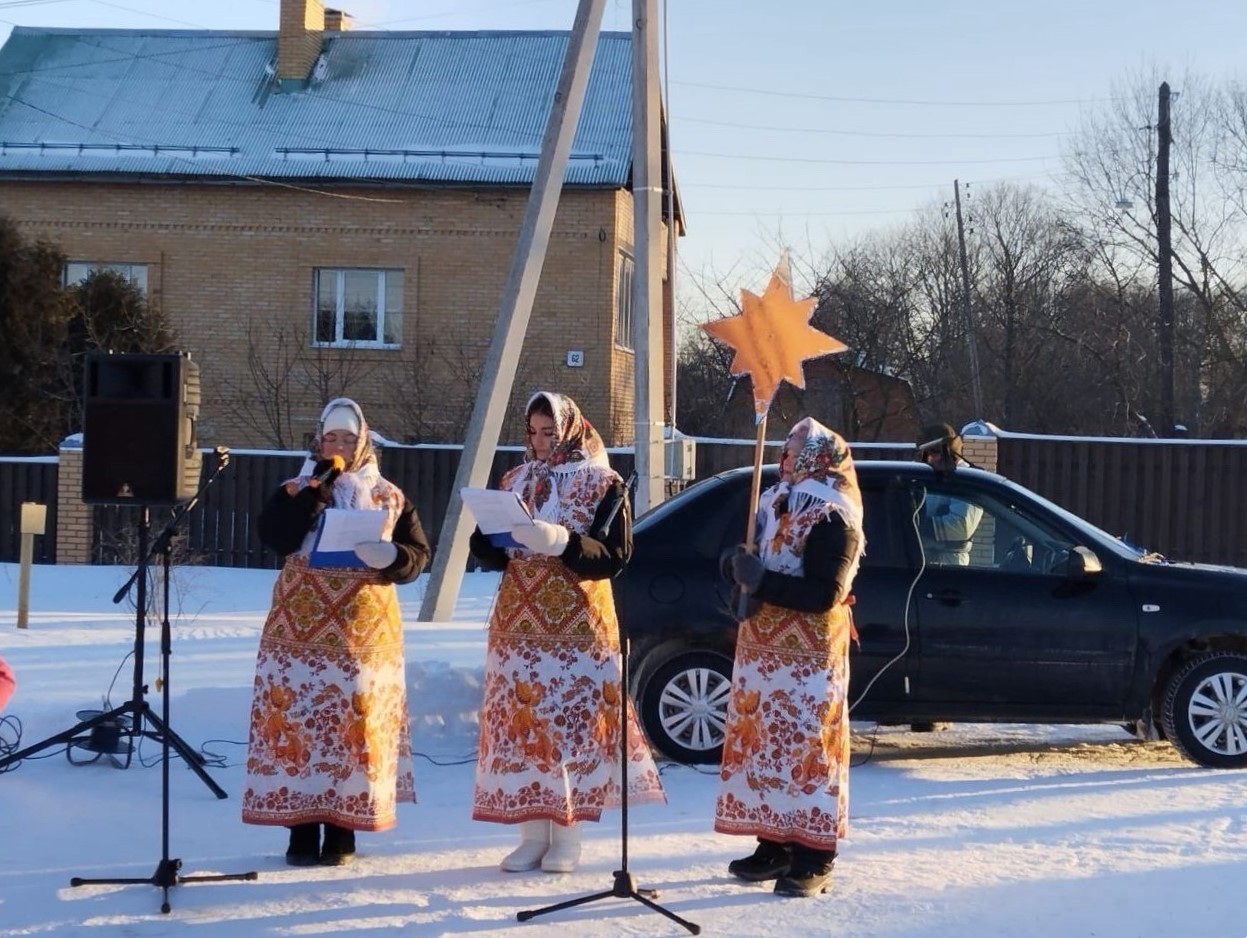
(564, 852)
(534, 842)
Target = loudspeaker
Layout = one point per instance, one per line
(138, 429)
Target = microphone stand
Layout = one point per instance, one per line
(624, 886)
(166, 875)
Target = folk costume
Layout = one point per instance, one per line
(784, 775)
(330, 742)
(550, 727)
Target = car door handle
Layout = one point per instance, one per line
(947, 597)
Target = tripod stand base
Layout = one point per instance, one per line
(165, 877)
(623, 888)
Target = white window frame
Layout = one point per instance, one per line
(623, 301)
(135, 273)
(385, 278)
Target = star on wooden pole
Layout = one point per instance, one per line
(772, 338)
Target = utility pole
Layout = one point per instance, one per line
(975, 383)
(1164, 250)
(647, 320)
(485, 424)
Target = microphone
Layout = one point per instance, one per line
(336, 465)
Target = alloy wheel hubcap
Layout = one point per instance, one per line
(693, 708)
(1218, 713)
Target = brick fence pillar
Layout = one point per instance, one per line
(73, 516)
(978, 445)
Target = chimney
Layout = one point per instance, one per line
(336, 21)
(298, 42)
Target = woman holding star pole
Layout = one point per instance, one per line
(330, 745)
(550, 721)
(784, 776)
(785, 771)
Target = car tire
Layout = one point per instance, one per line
(684, 705)
(1205, 710)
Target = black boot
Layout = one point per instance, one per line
(304, 849)
(339, 846)
(810, 874)
(771, 860)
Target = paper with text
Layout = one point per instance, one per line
(340, 530)
(496, 511)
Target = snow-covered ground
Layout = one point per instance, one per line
(977, 831)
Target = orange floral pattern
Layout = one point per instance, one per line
(550, 728)
(785, 765)
(330, 739)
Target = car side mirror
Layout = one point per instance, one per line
(1082, 564)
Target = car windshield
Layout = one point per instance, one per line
(1118, 544)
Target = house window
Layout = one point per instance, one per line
(77, 271)
(359, 307)
(623, 304)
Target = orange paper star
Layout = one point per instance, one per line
(772, 337)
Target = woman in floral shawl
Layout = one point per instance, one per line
(785, 771)
(330, 743)
(549, 754)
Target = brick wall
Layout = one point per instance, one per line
(302, 25)
(232, 267)
(73, 516)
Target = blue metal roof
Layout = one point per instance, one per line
(436, 107)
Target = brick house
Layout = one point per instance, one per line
(321, 210)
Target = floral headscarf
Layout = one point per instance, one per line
(823, 469)
(577, 445)
(823, 483)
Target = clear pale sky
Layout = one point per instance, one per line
(808, 122)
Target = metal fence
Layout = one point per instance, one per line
(27, 479)
(1180, 497)
(1183, 498)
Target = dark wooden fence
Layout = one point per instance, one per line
(1183, 498)
(1180, 497)
(220, 529)
(30, 479)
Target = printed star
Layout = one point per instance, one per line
(772, 337)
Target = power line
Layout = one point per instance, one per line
(929, 185)
(810, 159)
(864, 133)
(900, 101)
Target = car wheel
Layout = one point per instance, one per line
(1205, 710)
(684, 705)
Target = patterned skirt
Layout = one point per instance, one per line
(550, 727)
(330, 739)
(785, 771)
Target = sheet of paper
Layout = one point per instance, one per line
(496, 511)
(340, 530)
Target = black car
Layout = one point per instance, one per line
(1044, 619)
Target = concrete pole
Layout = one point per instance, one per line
(1164, 256)
(502, 359)
(976, 385)
(647, 320)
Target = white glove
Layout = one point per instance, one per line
(377, 554)
(541, 537)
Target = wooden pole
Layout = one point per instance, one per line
(755, 491)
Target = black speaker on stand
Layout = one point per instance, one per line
(139, 443)
(139, 449)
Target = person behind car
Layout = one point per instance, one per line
(947, 524)
(785, 770)
(551, 717)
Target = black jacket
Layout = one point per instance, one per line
(286, 519)
(593, 556)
